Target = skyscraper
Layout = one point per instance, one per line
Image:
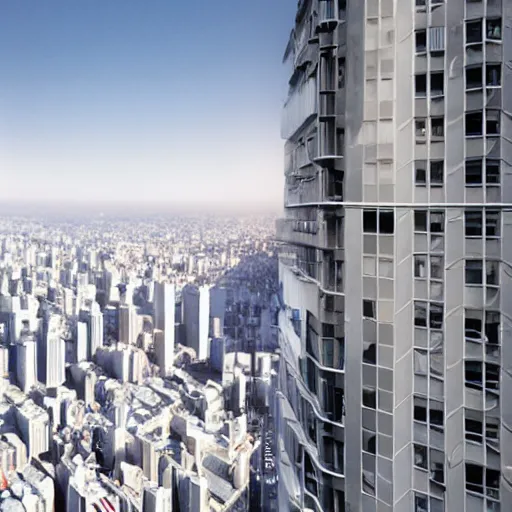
(165, 304)
(51, 352)
(196, 318)
(394, 268)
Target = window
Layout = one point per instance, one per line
(436, 222)
(492, 327)
(369, 398)
(493, 29)
(422, 220)
(436, 39)
(420, 173)
(420, 266)
(341, 73)
(437, 126)
(420, 314)
(492, 273)
(435, 315)
(421, 41)
(436, 415)
(369, 308)
(436, 466)
(473, 172)
(493, 75)
(370, 221)
(436, 267)
(420, 502)
(420, 456)
(474, 272)
(420, 409)
(386, 221)
(436, 84)
(492, 122)
(492, 224)
(474, 78)
(436, 173)
(492, 172)
(474, 124)
(473, 32)
(421, 86)
(473, 221)
(474, 430)
(484, 481)
(479, 375)
(421, 128)
(370, 354)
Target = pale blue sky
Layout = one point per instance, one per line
(161, 100)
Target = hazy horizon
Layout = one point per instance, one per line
(31, 208)
(165, 102)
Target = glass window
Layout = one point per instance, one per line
(420, 456)
(474, 272)
(421, 86)
(421, 129)
(473, 172)
(436, 84)
(420, 314)
(493, 75)
(421, 41)
(474, 77)
(436, 267)
(473, 221)
(492, 224)
(420, 220)
(420, 502)
(474, 31)
(436, 173)
(420, 266)
(492, 122)
(492, 271)
(493, 29)
(420, 172)
(370, 221)
(492, 171)
(436, 316)
(436, 222)
(369, 397)
(369, 308)
(437, 126)
(474, 124)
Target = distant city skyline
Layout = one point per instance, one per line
(171, 102)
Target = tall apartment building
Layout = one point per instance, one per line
(195, 307)
(395, 267)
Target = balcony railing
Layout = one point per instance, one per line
(298, 232)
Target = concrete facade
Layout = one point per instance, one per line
(396, 255)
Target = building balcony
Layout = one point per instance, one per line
(327, 15)
(327, 145)
(327, 106)
(298, 232)
(300, 108)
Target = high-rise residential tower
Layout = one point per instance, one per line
(196, 318)
(164, 315)
(395, 267)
